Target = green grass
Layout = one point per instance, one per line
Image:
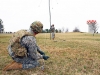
(70, 54)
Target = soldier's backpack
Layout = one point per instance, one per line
(17, 48)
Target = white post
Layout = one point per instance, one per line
(50, 17)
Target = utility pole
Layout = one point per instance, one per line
(50, 18)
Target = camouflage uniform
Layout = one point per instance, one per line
(52, 31)
(31, 60)
(29, 42)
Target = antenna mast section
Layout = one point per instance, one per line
(50, 18)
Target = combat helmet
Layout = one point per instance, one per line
(36, 26)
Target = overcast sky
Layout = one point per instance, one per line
(19, 14)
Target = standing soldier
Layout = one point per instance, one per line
(52, 31)
(24, 50)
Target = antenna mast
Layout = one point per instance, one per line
(50, 18)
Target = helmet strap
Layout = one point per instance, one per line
(35, 32)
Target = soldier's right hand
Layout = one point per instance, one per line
(45, 57)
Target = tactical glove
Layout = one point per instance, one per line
(45, 57)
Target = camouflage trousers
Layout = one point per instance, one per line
(27, 62)
(53, 35)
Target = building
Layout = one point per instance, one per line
(91, 26)
(90, 29)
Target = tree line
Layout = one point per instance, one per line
(93, 26)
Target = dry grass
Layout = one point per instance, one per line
(70, 54)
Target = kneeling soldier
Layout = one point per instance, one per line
(24, 50)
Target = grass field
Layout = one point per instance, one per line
(70, 54)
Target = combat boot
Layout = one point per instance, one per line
(13, 66)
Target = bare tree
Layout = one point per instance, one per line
(62, 29)
(59, 30)
(76, 30)
(1, 26)
(94, 27)
(66, 30)
(1, 22)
